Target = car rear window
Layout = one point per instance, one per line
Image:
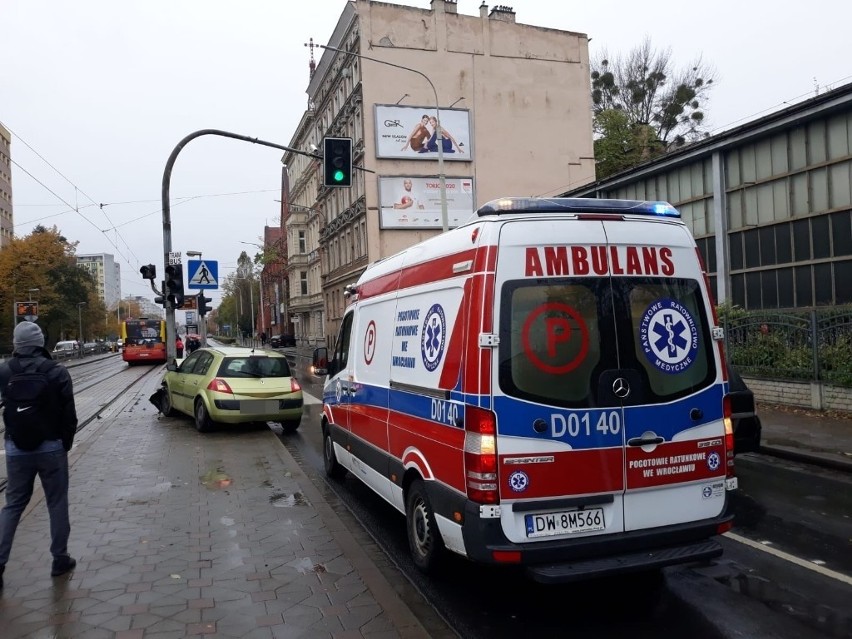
(254, 366)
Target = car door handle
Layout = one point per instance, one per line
(645, 441)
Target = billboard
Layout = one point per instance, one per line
(414, 202)
(409, 133)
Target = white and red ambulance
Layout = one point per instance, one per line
(542, 386)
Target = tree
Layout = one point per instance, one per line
(662, 106)
(45, 260)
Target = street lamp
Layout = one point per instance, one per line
(262, 314)
(80, 306)
(251, 303)
(439, 132)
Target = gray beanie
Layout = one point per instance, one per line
(27, 334)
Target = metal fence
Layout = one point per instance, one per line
(808, 345)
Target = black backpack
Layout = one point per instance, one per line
(30, 406)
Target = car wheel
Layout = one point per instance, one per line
(291, 426)
(332, 467)
(424, 538)
(166, 407)
(203, 423)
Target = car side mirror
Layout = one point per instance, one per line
(319, 366)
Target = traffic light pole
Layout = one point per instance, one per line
(171, 350)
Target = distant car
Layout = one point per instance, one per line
(282, 341)
(65, 346)
(233, 385)
(746, 423)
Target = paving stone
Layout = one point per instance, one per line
(162, 556)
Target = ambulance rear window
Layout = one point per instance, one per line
(559, 336)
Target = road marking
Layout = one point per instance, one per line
(308, 399)
(826, 572)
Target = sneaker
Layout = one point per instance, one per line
(62, 564)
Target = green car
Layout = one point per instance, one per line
(233, 386)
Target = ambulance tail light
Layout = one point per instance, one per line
(480, 455)
(729, 437)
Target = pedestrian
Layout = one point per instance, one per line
(41, 421)
(179, 347)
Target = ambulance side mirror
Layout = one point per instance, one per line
(319, 366)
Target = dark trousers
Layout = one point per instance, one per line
(52, 470)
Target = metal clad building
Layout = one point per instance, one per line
(769, 203)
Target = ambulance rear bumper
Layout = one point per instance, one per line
(554, 573)
(573, 559)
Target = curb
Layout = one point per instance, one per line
(832, 461)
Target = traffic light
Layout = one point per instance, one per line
(203, 309)
(174, 285)
(159, 299)
(337, 161)
(149, 272)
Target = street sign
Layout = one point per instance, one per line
(27, 311)
(203, 274)
(190, 303)
(174, 258)
(190, 317)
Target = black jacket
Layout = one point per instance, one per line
(31, 357)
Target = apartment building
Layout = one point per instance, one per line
(107, 275)
(7, 220)
(515, 116)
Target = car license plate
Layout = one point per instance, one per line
(567, 522)
(258, 406)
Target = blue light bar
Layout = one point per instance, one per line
(576, 205)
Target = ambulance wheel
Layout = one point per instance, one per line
(332, 467)
(203, 423)
(424, 538)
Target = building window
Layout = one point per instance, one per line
(303, 282)
(302, 243)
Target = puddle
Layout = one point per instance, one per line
(215, 479)
(283, 500)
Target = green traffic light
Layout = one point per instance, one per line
(339, 175)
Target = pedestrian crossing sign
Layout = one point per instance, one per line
(203, 274)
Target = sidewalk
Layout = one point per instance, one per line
(179, 534)
(807, 436)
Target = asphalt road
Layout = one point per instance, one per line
(800, 511)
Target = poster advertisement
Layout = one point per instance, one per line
(410, 133)
(409, 202)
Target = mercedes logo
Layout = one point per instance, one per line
(620, 388)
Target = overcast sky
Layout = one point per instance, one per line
(103, 90)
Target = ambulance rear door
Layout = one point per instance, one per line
(667, 377)
(560, 444)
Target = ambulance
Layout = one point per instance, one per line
(543, 386)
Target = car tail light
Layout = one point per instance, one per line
(219, 385)
(480, 455)
(729, 437)
(294, 385)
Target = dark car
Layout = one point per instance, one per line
(746, 423)
(282, 341)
